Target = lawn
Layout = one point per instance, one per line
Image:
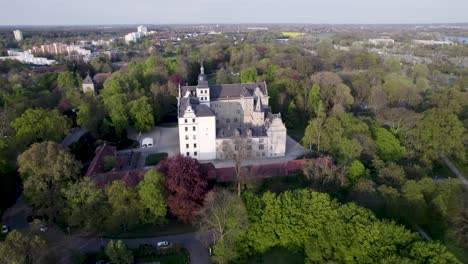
(278, 255)
(171, 228)
(155, 158)
(292, 34)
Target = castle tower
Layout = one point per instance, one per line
(203, 90)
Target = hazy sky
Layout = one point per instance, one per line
(59, 12)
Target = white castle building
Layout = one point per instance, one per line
(211, 116)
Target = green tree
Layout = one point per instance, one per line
(315, 103)
(124, 206)
(356, 171)
(36, 125)
(248, 75)
(67, 80)
(438, 131)
(388, 145)
(118, 252)
(141, 113)
(20, 248)
(46, 168)
(222, 76)
(224, 216)
(85, 205)
(152, 197)
(118, 112)
(315, 132)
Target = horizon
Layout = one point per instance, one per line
(333, 12)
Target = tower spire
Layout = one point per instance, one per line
(202, 69)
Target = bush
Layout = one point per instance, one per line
(109, 163)
(155, 158)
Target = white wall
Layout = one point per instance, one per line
(202, 140)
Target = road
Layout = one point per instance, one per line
(192, 241)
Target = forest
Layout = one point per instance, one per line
(388, 126)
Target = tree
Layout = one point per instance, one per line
(141, 113)
(36, 125)
(85, 205)
(325, 178)
(248, 75)
(90, 113)
(123, 204)
(118, 112)
(439, 131)
(315, 103)
(356, 171)
(398, 119)
(314, 132)
(118, 252)
(224, 217)
(67, 80)
(237, 151)
(222, 76)
(152, 197)
(186, 185)
(452, 99)
(46, 168)
(391, 174)
(342, 98)
(388, 145)
(21, 248)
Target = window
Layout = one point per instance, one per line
(195, 153)
(194, 136)
(202, 91)
(188, 154)
(235, 120)
(228, 120)
(186, 137)
(185, 120)
(249, 147)
(263, 154)
(186, 145)
(260, 146)
(194, 145)
(193, 128)
(238, 111)
(261, 140)
(193, 120)
(186, 128)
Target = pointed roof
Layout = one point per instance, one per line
(88, 80)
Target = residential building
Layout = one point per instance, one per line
(382, 41)
(18, 35)
(27, 57)
(59, 48)
(213, 117)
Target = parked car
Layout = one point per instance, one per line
(164, 244)
(5, 229)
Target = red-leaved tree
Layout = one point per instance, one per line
(186, 184)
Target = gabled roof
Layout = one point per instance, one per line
(225, 91)
(88, 80)
(200, 110)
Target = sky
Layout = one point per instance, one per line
(86, 12)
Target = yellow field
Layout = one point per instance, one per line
(292, 34)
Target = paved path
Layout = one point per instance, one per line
(192, 241)
(293, 151)
(16, 216)
(74, 136)
(454, 169)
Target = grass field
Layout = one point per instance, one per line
(291, 34)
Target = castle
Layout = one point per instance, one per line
(213, 116)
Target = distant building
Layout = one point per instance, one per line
(59, 48)
(18, 35)
(382, 41)
(142, 29)
(88, 85)
(211, 117)
(27, 57)
(433, 42)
